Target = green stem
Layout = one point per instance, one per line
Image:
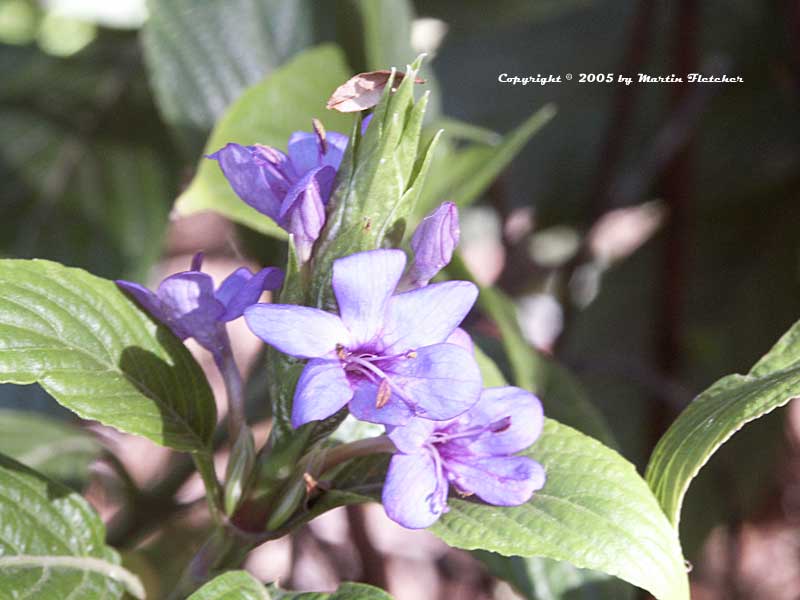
(204, 462)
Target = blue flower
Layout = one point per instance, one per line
(475, 453)
(187, 303)
(384, 354)
(292, 189)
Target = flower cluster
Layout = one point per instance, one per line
(394, 354)
(292, 190)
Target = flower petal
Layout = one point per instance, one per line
(146, 299)
(303, 209)
(306, 153)
(460, 337)
(299, 331)
(188, 301)
(242, 289)
(415, 492)
(363, 284)
(321, 391)
(411, 437)
(247, 175)
(364, 406)
(499, 480)
(427, 315)
(443, 381)
(527, 420)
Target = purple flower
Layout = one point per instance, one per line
(473, 452)
(187, 303)
(386, 355)
(433, 244)
(292, 190)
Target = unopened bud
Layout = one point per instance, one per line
(433, 244)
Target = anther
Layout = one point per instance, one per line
(384, 393)
(320, 131)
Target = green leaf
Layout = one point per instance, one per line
(267, 113)
(716, 414)
(345, 591)
(56, 449)
(96, 353)
(463, 175)
(544, 579)
(233, 585)
(561, 394)
(539, 578)
(52, 543)
(202, 54)
(594, 512)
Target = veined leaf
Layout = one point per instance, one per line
(267, 113)
(594, 512)
(96, 353)
(537, 578)
(233, 585)
(202, 54)
(716, 414)
(52, 543)
(545, 579)
(345, 591)
(56, 449)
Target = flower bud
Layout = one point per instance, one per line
(240, 466)
(433, 244)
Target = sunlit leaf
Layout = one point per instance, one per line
(95, 352)
(233, 585)
(53, 542)
(718, 413)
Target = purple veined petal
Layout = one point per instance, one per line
(303, 209)
(242, 289)
(299, 331)
(191, 308)
(461, 338)
(427, 315)
(306, 154)
(146, 299)
(363, 406)
(363, 284)
(248, 178)
(277, 168)
(321, 391)
(498, 480)
(495, 404)
(411, 437)
(433, 243)
(443, 381)
(304, 151)
(415, 491)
